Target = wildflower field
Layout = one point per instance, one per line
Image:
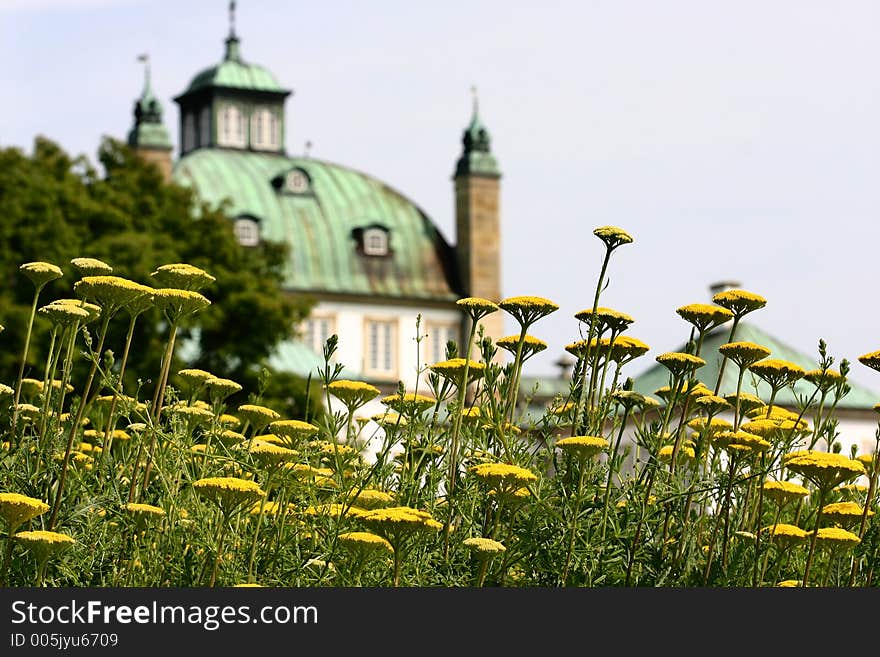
(170, 485)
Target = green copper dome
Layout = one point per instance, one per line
(234, 73)
(322, 210)
(148, 131)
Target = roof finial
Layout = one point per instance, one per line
(145, 58)
(476, 100)
(232, 52)
(308, 148)
(232, 19)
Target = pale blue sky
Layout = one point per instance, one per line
(733, 139)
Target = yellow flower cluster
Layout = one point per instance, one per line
(477, 307)
(219, 388)
(824, 379)
(228, 492)
(606, 318)
(372, 498)
(844, 512)
(364, 542)
(583, 447)
(44, 544)
(483, 547)
(112, 292)
(91, 266)
(612, 236)
(783, 492)
(528, 309)
(257, 415)
(744, 354)
(393, 521)
(178, 303)
(503, 475)
(16, 509)
(40, 272)
(453, 369)
(739, 302)
(144, 510)
(679, 362)
(293, 430)
(836, 538)
(871, 359)
(64, 314)
(182, 275)
(704, 316)
(352, 393)
(788, 534)
(269, 455)
(778, 372)
(531, 345)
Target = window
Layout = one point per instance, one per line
(264, 129)
(247, 231)
(375, 242)
(438, 334)
(315, 331)
(205, 127)
(296, 181)
(232, 127)
(380, 357)
(189, 132)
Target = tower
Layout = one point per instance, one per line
(477, 220)
(148, 136)
(233, 105)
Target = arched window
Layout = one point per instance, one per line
(205, 127)
(232, 127)
(189, 132)
(247, 230)
(265, 131)
(375, 242)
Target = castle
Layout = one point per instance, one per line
(372, 260)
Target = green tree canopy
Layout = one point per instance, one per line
(55, 207)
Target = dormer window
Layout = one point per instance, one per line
(265, 130)
(296, 181)
(247, 230)
(375, 242)
(372, 240)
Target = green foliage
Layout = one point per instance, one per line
(56, 207)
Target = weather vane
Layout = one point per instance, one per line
(475, 98)
(308, 147)
(232, 18)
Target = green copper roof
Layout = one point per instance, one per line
(476, 156)
(293, 356)
(319, 224)
(233, 73)
(657, 376)
(148, 130)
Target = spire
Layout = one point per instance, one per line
(476, 156)
(148, 130)
(232, 50)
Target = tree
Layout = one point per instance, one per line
(55, 207)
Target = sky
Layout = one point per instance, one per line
(734, 140)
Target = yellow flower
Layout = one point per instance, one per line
(44, 544)
(29, 412)
(178, 303)
(352, 393)
(229, 493)
(483, 547)
(558, 409)
(6, 391)
(371, 498)
(582, 446)
(92, 309)
(16, 509)
(293, 430)
(220, 389)
(783, 492)
(712, 404)
(824, 379)
(194, 378)
(527, 310)
(680, 363)
(477, 307)
(531, 345)
(824, 469)
(64, 314)
(836, 538)
(503, 475)
(627, 398)
(91, 266)
(471, 413)
(144, 512)
(193, 415)
(364, 542)
(111, 292)
(389, 419)
(410, 403)
(871, 360)
(777, 372)
(41, 273)
(269, 455)
(396, 522)
(625, 348)
(612, 236)
(684, 451)
(606, 318)
(739, 302)
(744, 354)
(787, 534)
(704, 316)
(740, 440)
(257, 416)
(844, 513)
(228, 421)
(182, 275)
(453, 369)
